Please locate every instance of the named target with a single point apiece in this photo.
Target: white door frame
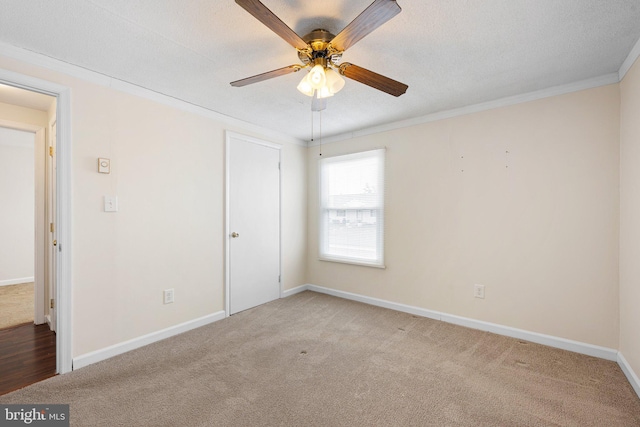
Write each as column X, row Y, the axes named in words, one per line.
column 227, row 230
column 64, row 272
column 40, row 227
column 51, row 189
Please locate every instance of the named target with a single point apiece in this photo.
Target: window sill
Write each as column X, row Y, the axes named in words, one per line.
column 362, row 264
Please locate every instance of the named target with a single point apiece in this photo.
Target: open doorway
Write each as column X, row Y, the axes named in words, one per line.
column 27, row 227
column 17, row 227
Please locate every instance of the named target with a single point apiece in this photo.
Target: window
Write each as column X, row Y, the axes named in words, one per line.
column 352, row 208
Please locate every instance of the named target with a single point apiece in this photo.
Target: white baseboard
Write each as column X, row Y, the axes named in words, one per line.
column 548, row 340
column 294, row 291
column 551, row 341
column 423, row 312
column 16, row 281
column 630, row 374
column 123, row 347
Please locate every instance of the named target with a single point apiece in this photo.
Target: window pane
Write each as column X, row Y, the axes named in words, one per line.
column 353, row 235
column 352, row 181
column 352, row 202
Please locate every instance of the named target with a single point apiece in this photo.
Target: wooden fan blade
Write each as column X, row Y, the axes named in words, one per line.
column 372, row 79
column 275, row 24
column 378, row 12
column 266, row 76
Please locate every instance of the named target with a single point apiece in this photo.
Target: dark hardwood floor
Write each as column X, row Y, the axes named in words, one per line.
column 27, row 355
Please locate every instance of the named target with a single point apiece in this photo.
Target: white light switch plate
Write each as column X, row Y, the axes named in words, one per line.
column 168, row 296
column 111, row 203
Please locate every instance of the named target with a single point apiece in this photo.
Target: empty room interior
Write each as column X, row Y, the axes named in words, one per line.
column 322, row 213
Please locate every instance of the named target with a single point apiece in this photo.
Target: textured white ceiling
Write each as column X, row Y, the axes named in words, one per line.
column 451, row 53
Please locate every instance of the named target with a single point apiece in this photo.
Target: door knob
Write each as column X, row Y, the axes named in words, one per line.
column 234, row 235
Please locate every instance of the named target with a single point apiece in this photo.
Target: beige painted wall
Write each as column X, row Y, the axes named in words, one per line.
column 540, row 234
column 168, row 174
column 13, row 113
column 294, row 216
column 630, row 217
column 522, row 199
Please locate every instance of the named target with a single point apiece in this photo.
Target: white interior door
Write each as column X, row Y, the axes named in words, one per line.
column 253, row 223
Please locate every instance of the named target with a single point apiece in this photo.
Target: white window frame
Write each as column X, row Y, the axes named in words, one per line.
column 324, row 251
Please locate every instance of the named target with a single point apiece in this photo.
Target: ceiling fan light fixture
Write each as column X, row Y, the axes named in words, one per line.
column 331, row 82
column 305, row 86
column 324, row 92
column 335, row 82
column 317, row 77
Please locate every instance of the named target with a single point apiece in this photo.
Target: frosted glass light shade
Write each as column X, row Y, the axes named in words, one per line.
column 324, row 92
column 305, row 86
column 317, row 77
column 335, row 82
column 323, row 82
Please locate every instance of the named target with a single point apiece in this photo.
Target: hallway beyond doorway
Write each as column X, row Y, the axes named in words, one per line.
column 16, row 305
column 27, row 355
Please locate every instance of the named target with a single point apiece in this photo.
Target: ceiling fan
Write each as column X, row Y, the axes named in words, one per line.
column 322, row 52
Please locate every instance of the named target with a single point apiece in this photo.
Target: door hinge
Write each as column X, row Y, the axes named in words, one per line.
column 278, row 165
column 51, row 151
column 52, row 303
column 278, row 279
column 51, row 227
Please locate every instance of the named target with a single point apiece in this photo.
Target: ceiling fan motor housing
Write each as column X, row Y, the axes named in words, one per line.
column 318, row 41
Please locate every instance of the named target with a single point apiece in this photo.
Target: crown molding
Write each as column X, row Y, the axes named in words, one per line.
column 603, row 80
column 53, row 64
column 91, row 76
column 631, row 59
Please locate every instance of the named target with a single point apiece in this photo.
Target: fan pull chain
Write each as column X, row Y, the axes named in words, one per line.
column 311, row 125
column 320, row 132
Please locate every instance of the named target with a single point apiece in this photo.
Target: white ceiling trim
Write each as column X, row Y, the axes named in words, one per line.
column 27, row 82
column 631, row 58
column 604, row 80
column 91, row 76
column 94, row 77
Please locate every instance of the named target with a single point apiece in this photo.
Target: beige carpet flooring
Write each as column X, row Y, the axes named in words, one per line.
column 316, row 360
column 16, row 304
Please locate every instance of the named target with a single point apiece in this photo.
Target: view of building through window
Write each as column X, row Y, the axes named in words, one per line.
column 352, row 203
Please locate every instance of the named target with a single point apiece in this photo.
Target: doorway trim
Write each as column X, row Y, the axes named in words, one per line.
column 64, row 179
column 227, row 230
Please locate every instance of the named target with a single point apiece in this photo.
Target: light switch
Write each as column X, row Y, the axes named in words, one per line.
column 111, row 203
column 104, row 165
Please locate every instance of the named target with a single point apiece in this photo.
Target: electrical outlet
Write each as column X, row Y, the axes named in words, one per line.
column 168, row 296
column 478, row 291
